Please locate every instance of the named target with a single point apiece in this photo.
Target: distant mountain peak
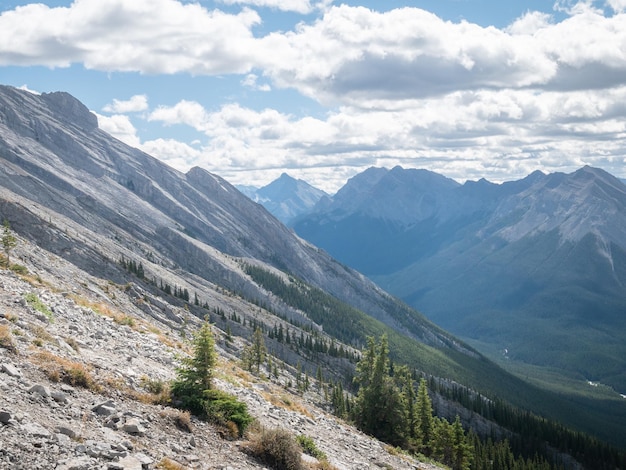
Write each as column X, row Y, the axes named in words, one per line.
column 286, row 197
column 400, row 196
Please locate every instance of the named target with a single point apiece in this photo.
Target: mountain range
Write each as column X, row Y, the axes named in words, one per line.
column 532, row 270
column 204, row 248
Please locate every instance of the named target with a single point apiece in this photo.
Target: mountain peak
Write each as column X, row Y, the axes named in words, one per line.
column 62, row 106
column 71, row 110
column 287, row 197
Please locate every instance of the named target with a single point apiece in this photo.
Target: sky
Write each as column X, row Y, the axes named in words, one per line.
column 322, row 89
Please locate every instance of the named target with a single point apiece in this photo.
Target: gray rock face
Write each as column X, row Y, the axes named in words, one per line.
column 69, row 109
column 133, row 426
column 39, row 390
column 11, row 370
column 5, row 417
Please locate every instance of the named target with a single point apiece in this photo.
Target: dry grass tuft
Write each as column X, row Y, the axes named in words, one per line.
column 168, row 464
column 41, row 333
column 59, row 369
column 180, row 419
column 322, row 465
column 148, row 398
column 6, row 339
column 104, row 309
column 13, row 318
column 73, row 343
column 287, row 402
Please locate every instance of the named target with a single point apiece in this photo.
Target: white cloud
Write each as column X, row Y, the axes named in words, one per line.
column 297, row 6
column 402, row 86
column 530, row 23
column 176, row 154
column 120, row 127
column 349, row 55
column 619, row 6
column 465, row 134
column 25, row 88
column 148, row 36
column 250, row 81
column 355, row 55
column 186, row 112
column 135, row 104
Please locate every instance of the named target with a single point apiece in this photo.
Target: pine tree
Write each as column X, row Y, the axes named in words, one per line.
column 461, row 448
column 298, row 375
column 140, row 271
column 196, row 373
column 8, row 242
column 410, row 403
column 425, row 421
column 254, row 354
column 319, row 377
column 442, row 441
column 379, row 408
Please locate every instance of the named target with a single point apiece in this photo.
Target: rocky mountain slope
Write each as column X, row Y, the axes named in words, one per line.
column 535, row 267
column 73, row 189
column 109, row 420
column 286, row 198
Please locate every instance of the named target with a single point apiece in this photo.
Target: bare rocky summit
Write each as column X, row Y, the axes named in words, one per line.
column 59, row 319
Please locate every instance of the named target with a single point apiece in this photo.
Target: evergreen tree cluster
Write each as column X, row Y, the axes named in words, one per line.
column 339, row 319
column 254, row 355
column 132, row 267
column 531, row 434
column 138, row 270
column 312, row 343
column 389, row 407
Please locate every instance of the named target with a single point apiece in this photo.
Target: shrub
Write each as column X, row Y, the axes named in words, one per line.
column 325, row 465
column 125, row 320
column 154, row 386
column 180, row 419
column 19, row 269
column 308, row 447
column 278, row 449
column 38, row 305
column 41, row 334
column 223, row 408
column 77, row 375
column 72, row 343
